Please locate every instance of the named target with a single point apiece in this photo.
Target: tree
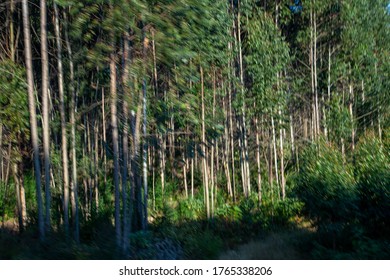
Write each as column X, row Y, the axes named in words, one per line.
column 45, row 111
column 64, row 141
column 33, row 118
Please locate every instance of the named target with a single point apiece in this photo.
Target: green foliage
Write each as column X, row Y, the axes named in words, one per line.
column 338, row 120
column 287, row 210
column 373, row 180
column 326, row 186
column 7, row 201
column 13, row 102
column 190, row 209
column 266, row 55
column 229, row 212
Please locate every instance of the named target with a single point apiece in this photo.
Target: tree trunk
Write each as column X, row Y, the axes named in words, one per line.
column 144, row 154
column 270, row 166
column 259, row 190
column 125, row 147
column 212, row 159
column 226, row 153
column 33, row 117
column 351, row 112
column 104, row 137
column 12, row 42
column 317, row 109
column 243, row 130
column 311, row 60
column 115, row 143
column 232, row 144
column 45, row 111
column 192, row 176
column 162, row 163
column 275, row 153
column 64, row 142
column 329, row 90
column 204, row 151
column 73, row 106
column 282, row 179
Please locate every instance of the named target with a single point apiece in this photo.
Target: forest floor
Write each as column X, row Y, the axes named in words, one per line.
column 291, row 244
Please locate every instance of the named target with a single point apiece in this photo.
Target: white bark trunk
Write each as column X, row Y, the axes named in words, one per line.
column 33, row 117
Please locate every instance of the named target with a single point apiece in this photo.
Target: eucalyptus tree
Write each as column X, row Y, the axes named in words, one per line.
column 64, row 141
column 45, row 109
column 32, row 112
column 266, row 54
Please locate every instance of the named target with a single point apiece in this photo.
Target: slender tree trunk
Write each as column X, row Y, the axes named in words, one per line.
column 275, row 153
column 45, row 111
column 96, row 164
column 282, row 179
column 12, row 32
column 115, row 143
column 185, row 175
column 312, row 71
column 125, row 147
column 351, row 112
column 33, row 117
column 144, row 151
column 73, row 106
column 245, row 161
column 192, row 177
column 204, row 151
column 64, row 142
column 326, row 132
column 212, row 160
column 135, row 163
column 155, row 79
column 317, row 109
column 294, row 153
column 144, row 159
column 226, row 153
column 162, row 162
column 270, row 166
column 104, row 137
column 232, row 144
column 259, row 190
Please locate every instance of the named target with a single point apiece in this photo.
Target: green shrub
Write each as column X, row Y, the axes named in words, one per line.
column 326, row 185
column 372, row 169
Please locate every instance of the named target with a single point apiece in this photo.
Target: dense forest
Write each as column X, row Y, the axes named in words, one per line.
column 194, row 129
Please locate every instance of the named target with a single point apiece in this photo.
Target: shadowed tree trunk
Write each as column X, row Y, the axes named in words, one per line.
column 33, row 117
column 64, row 141
column 45, row 111
column 115, row 143
column 74, row 185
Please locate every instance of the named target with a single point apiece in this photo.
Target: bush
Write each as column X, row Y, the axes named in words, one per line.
column 326, row 186
column 372, row 171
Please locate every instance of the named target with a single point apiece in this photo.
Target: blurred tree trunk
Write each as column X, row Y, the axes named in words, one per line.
column 73, row 107
column 125, row 143
column 204, row 149
column 45, row 111
column 115, row 143
column 144, row 140
column 33, row 117
column 64, row 141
